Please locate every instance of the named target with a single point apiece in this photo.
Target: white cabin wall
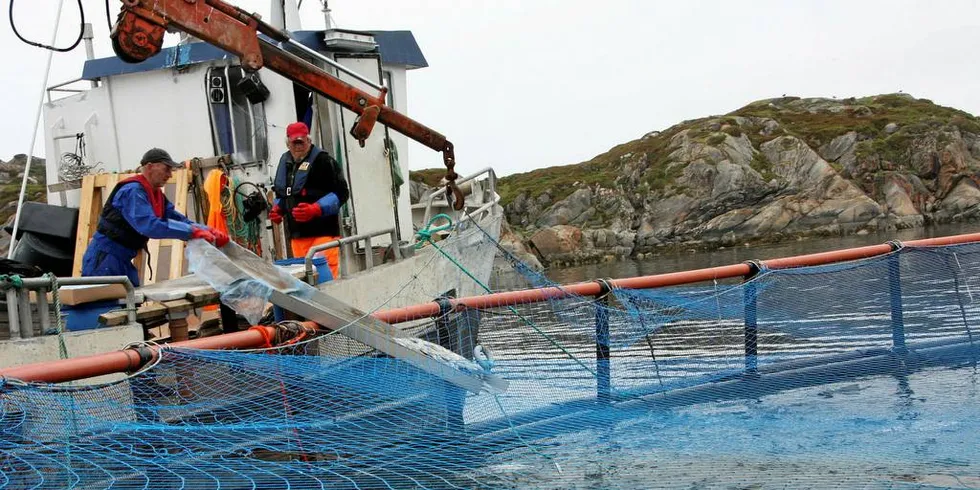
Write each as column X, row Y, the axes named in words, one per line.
column 87, row 112
column 369, row 175
column 280, row 111
column 399, row 90
column 162, row 109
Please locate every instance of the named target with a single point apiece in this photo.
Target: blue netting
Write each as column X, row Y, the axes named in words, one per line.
column 853, row 375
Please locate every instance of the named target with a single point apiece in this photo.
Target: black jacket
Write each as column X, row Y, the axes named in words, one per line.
column 308, row 184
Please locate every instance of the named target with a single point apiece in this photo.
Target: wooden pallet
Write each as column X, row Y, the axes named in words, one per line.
column 167, row 256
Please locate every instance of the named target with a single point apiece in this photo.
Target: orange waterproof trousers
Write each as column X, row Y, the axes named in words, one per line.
column 302, row 245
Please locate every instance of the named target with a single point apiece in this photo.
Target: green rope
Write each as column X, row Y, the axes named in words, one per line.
column 59, row 320
column 11, row 281
column 426, row 234
column 245, row 233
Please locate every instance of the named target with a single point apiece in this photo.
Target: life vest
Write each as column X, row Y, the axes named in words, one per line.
column 292, row 193
column 113, row 224
column 297, row 190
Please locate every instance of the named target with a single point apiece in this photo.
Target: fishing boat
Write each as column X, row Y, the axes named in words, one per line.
column 848, row 368
column 200, row 103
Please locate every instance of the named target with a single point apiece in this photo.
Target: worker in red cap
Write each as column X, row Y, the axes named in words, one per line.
column 310, row 189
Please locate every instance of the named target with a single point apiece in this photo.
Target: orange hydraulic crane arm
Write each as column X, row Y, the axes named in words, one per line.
column 138, row 35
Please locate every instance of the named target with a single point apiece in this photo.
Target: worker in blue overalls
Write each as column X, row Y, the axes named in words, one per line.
column 136, row 211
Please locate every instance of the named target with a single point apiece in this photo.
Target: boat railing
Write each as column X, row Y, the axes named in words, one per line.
column 19, row 300
column 61, row 87
column 483, row 203
column 348, row 246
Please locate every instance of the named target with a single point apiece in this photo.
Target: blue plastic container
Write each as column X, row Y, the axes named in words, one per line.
column 319, row 263
column 86, row 316
column 323, row 275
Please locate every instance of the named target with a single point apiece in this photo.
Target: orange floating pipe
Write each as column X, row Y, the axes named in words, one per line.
column 129, row 359
column 428, row 310
column 125, row 360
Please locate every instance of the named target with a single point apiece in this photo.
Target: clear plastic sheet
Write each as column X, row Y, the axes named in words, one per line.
column 244, row 280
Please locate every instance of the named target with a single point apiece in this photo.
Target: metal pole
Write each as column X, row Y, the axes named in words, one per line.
column 895, row 295
column 89, row 50
column 603, row 385
column 26, row 320
column 13, row 322
column 37, row 121
column 231, row 118
column 333, row 63
column 346, row 252
column 43, row 310
column 396, row 246
column 368, row 254
column 751, row 328
column 750, row 304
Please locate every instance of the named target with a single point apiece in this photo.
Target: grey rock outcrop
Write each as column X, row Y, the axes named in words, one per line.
column 775, row 169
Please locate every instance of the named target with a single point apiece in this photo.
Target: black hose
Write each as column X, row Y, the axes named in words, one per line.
column 81, row 31
column 108, row 18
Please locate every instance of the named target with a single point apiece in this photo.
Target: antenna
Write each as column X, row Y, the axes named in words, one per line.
column 327, row 18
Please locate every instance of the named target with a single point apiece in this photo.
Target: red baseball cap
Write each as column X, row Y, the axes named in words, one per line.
column 297, row 130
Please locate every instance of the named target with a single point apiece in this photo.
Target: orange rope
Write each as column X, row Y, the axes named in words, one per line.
column 266, row 336
column 213, row 185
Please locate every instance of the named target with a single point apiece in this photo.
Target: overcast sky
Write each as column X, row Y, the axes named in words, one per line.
column 524, row 84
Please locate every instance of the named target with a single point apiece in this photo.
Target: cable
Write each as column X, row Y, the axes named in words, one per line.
column 81, row 30
column 244, row 233
column 245, row 182
column 72, row 165
column 108, row 18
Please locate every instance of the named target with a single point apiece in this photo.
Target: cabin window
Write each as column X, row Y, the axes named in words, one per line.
column 238, row 126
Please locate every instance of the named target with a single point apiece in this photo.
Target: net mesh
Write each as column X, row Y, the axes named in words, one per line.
column 861, row 374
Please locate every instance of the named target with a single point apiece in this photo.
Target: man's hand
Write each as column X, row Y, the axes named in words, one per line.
column 275, row 214
column 203, row 232
column 305, row 212
column 220, row 238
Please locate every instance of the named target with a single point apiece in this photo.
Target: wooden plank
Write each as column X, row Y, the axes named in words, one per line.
column 180, row 204
column 147, row 311
column 102, row 180
column 151, row 310
column 197, row 189
column 65, row 186
column 84, row 230
column 277, row 240
column 203, row 297
column 179, row 306
column 140, row 263
column 113, row 318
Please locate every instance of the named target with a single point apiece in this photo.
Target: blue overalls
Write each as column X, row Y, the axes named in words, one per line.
column 107, row 257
